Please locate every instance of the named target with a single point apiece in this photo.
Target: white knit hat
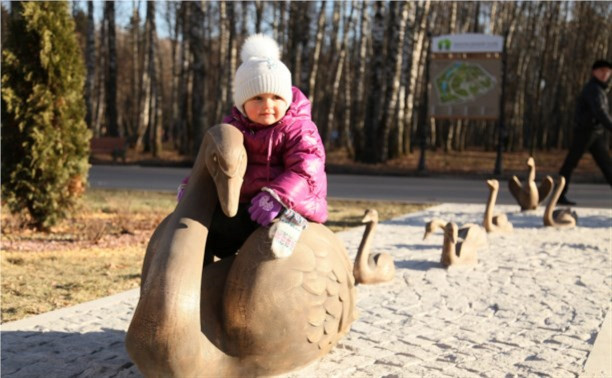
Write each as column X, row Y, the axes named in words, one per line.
column 261, row 71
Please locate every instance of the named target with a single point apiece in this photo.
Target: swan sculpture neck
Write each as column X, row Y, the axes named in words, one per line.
column 563, row 218
column 488, row 215
column 371, row 221
column 532, row 171
column 449, row 247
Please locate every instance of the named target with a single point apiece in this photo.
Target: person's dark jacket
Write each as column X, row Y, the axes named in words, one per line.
column 592, row 114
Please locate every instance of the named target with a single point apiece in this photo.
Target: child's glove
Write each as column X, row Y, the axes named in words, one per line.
column 264, row 208
column 181, row 189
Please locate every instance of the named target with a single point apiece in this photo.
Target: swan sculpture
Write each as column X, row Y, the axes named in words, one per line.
column 561, row 217
column 470, row 237
column 461, row 251
column 498, row 222
column 247, row 315
column 371, row 269
column 468, row 230
column 530, row 195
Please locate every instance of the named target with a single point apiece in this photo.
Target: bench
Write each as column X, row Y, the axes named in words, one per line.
column 115, row 146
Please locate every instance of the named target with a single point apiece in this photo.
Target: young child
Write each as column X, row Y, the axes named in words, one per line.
column 286, row 158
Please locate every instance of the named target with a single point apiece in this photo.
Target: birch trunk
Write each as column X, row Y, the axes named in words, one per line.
column 348, row 21
column 394, row 65
column 418, row 40
column 316, row 54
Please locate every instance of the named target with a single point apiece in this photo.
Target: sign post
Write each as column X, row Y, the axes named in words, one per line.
column 465, row 78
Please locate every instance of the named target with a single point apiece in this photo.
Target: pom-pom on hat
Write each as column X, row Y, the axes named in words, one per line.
column 261, row 71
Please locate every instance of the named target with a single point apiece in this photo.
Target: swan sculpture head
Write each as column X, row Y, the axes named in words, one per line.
column 370, row 216
column 432, row 226
column 226, row 161
column 493, row 184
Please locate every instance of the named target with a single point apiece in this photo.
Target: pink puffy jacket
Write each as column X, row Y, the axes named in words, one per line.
column 287, row 158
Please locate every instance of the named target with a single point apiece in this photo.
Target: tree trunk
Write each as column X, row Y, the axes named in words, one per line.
column 312, row 80
column 155, row 121
column 112, row 128
column 399, row 10
column 375, row 95
column 232, row 53
column 359, row 103
column 348, row 21
column 418, row 41
column 142, row 136
column 90, row 61
column 222, row 63
column 259, row 8
column 198, row 70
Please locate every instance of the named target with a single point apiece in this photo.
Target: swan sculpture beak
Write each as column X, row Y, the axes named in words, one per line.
column 228, row 190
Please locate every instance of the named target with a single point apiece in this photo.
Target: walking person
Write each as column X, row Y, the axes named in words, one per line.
column 592, row 121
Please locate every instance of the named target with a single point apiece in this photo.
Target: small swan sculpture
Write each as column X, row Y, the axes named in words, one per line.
column 562, row 217
column 372, row 269
column 460, row 251
column 498, row 222
column 529, row 194
column 250, row 314
column 470, row 231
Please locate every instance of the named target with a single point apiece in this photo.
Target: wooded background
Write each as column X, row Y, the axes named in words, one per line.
column 362, row 64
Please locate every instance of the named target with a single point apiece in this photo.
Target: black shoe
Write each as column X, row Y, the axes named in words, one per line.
column 564, row 201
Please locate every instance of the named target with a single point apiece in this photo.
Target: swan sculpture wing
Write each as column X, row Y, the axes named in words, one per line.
column 290, row 310
column 474, row 235
column 546, row 186
column 516, row 188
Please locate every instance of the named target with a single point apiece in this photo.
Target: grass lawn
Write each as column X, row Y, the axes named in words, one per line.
column 99, row 250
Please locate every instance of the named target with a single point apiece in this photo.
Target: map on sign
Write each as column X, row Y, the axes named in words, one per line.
column 463, row 81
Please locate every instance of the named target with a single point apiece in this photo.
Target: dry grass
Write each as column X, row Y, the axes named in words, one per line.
column 99, row 251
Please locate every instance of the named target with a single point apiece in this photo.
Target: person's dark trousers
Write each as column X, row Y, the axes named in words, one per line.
column 226, row 235
column 597, row 145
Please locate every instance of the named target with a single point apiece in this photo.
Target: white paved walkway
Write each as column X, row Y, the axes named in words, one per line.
column 532, row 307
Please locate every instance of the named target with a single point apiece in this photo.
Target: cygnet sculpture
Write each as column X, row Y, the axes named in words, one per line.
column 561, row 217
column 529, row 194
column 461, row 251
column 371, row 269
column 498, row 222
column 474, row 230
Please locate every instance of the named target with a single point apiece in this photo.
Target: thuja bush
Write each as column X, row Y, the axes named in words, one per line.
column 45, row 141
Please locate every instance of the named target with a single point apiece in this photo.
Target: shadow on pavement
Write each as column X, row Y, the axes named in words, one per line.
column 65, row 354
column 421, row 265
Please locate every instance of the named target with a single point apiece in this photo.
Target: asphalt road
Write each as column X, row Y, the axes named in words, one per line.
column 406, row 189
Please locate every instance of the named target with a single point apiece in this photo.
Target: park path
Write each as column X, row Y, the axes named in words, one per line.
column 533, row 306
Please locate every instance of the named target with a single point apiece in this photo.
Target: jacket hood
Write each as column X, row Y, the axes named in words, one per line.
column 300, row 107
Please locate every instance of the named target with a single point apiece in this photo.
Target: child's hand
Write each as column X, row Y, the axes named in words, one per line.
column 264, row 208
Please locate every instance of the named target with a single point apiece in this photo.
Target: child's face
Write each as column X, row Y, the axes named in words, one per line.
column 265, row 108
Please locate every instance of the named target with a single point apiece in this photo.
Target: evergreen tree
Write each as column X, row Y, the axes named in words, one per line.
column 45, row 141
